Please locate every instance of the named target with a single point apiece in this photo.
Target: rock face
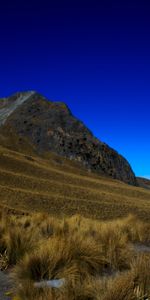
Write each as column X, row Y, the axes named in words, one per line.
column 144, row 182
column 50, row 126
column 8, row 105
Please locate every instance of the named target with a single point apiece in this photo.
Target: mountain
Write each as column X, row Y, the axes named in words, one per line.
column 143, row 182
column 48, row 127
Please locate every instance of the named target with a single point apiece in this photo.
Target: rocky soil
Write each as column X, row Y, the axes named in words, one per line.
column 5, row 286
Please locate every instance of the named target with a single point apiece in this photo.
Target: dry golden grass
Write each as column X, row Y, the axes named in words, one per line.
column 43, row 235
column 61, row 187
column 97, row 259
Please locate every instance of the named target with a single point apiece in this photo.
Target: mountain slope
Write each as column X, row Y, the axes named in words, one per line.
column 143, row 182
column 62, row 187
column 50, row 127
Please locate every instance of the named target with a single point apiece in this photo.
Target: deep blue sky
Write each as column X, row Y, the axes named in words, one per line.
column 93, row 55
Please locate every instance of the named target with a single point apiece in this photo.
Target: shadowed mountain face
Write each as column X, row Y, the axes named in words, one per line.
column 50, row 126
column 143, row 182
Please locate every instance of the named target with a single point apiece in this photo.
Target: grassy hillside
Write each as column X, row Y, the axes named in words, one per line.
column 97, row 260
column 62, row 187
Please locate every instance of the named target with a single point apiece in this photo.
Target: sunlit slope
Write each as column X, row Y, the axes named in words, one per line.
column 59, row 186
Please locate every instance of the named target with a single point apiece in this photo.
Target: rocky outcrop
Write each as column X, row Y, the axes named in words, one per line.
column 50, row 126
column 9, row 105
column 143, row 182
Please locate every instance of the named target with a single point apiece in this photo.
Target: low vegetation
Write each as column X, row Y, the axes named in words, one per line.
column 98, row 260
column 62, row 187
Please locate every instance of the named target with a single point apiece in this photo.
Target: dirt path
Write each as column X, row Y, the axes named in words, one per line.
column 5, row 286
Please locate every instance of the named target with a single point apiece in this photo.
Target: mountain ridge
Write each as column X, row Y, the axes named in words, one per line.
column 51, row 126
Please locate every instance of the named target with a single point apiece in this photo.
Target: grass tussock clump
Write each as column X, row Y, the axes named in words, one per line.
column 136, row 230
column 134, row 284
column 97, row 260
column 71, row 258
column 18, row 244
column 116, row 248
column 16, row 239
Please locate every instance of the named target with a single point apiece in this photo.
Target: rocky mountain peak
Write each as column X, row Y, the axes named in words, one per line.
column 50, row 126
column 9, row 105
